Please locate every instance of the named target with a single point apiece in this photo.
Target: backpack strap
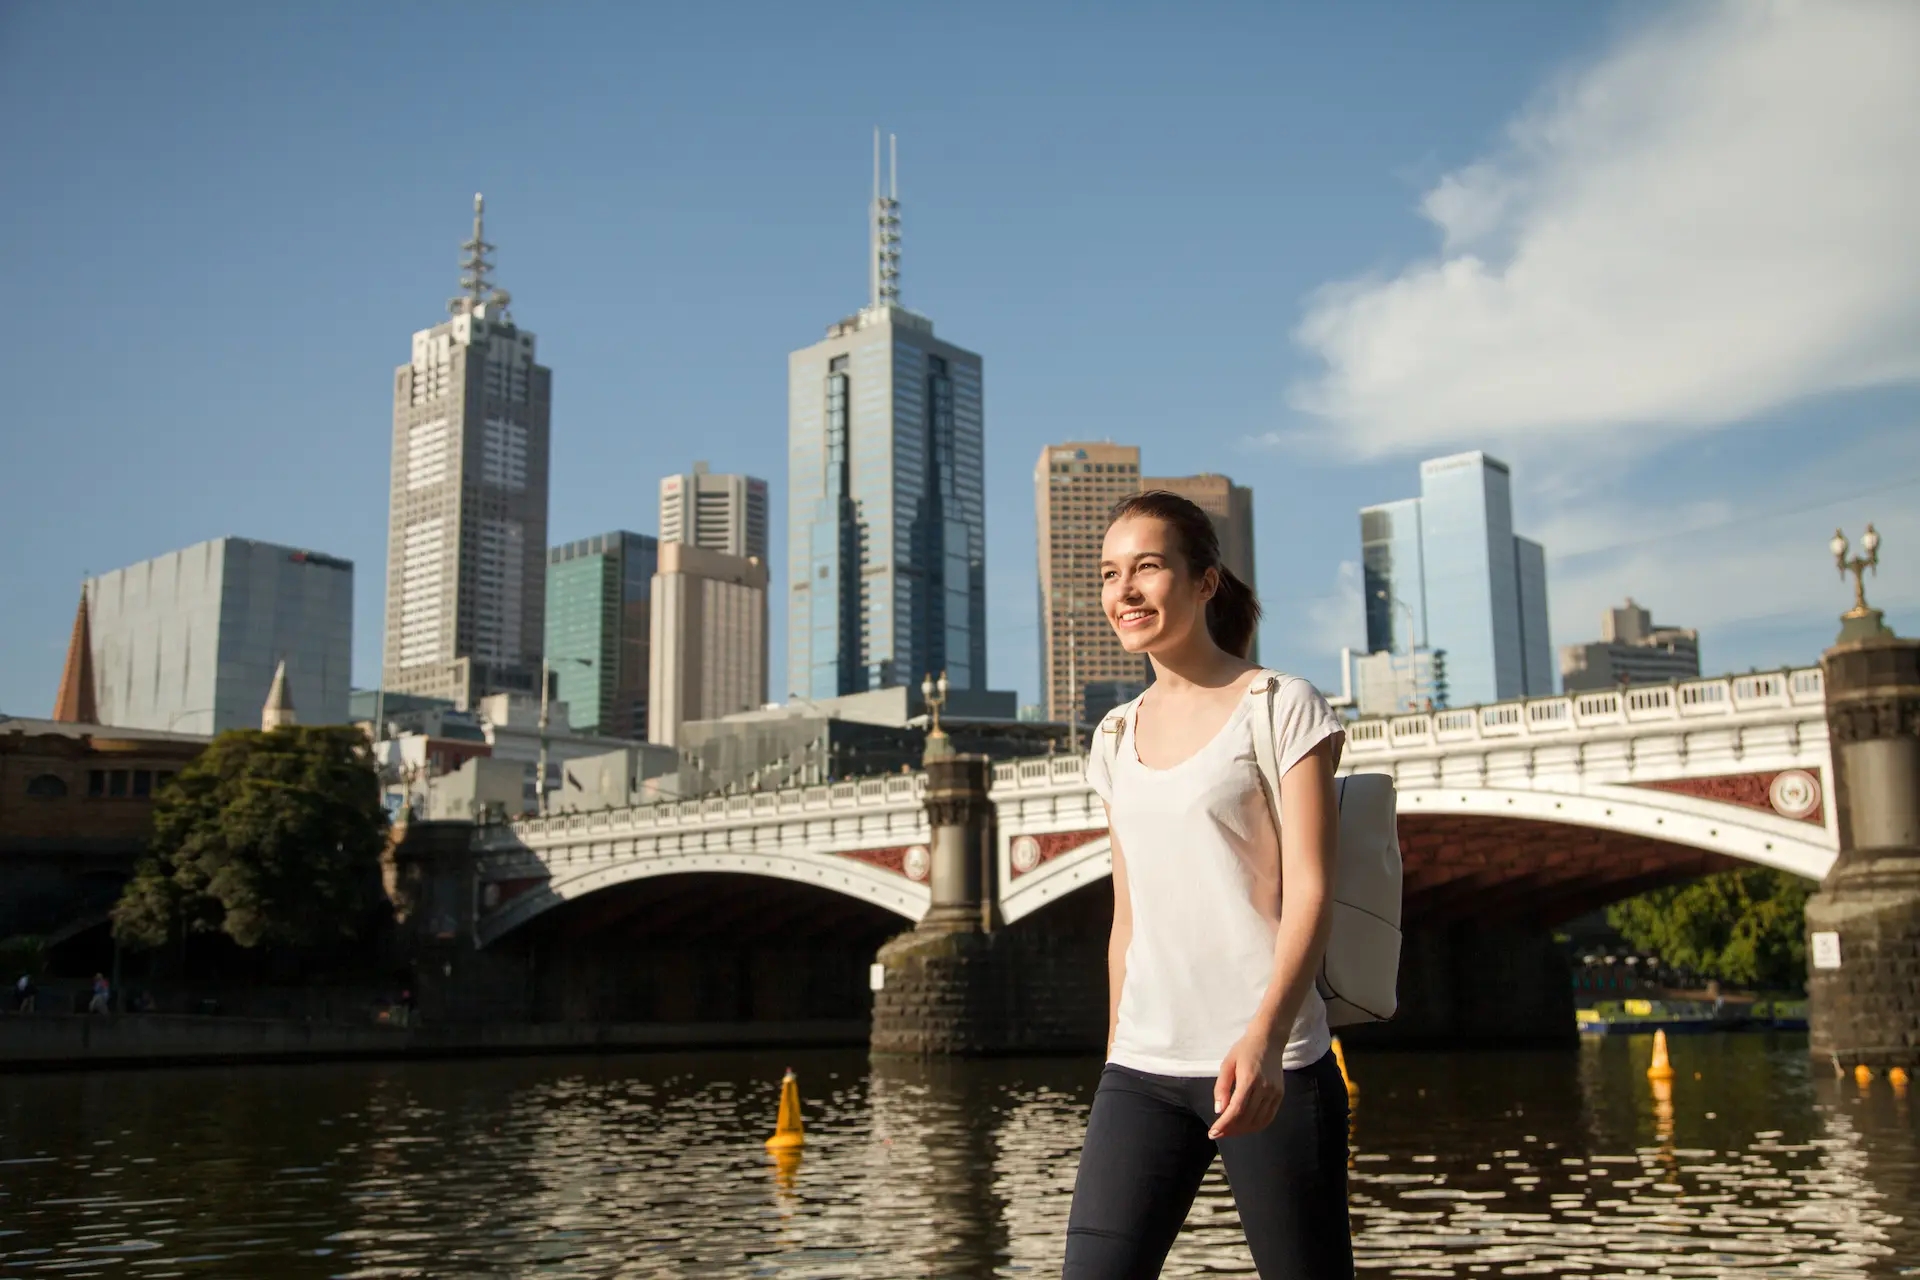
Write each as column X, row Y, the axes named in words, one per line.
column 1107, row 738
column 1265, row 750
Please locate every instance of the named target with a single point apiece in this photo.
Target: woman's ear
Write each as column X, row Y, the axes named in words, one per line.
column 1209, row 584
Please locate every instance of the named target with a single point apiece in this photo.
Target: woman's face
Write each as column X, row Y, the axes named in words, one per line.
column 1149, row 594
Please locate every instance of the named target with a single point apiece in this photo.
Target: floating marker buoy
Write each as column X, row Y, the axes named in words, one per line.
column 1863, row 1075
column 1340, row 1056
column 788, row 1132
column 1897, row 1077
column 1661, row 1069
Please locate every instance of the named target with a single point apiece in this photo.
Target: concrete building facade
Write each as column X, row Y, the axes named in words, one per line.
column 1631, row 650
column 724, row 513
column 1230, row 507
column 1445, row 573
column 1074, row 485
column 188, row 642
column 886, row 518
column 709, row 638
column 467, row 524
column 599, row 624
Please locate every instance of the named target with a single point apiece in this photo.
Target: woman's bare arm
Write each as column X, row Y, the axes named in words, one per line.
column 1121, row 935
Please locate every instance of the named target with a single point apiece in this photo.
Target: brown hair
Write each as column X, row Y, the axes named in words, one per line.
column 1233, row 612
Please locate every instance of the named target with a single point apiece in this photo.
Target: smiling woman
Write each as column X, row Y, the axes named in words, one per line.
column 1217, row 1039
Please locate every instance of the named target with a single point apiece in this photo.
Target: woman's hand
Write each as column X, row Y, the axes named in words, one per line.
column 1247, row 1094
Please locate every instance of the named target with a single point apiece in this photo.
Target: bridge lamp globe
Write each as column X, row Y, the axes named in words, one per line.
column 1839, row 548
column 1870, row 543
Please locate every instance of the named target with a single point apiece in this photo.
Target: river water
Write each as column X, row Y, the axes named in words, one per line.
column 1541, row 1164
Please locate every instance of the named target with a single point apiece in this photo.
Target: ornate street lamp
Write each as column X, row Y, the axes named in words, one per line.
column 1860, row 622
column 935, row 693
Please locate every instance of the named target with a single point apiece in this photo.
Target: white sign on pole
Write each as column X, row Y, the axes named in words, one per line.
column 1826, row 951
column 877, row 977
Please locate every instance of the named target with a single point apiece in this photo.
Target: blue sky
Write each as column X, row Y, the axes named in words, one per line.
column 1660, row 260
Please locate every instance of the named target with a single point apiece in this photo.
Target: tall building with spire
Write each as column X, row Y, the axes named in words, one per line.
column 467, row 523
column 886, row 551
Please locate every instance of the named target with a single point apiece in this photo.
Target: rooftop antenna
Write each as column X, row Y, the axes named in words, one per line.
column 885, row 267
column 476, row 288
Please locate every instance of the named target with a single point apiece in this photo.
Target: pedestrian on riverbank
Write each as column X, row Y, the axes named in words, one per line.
column 102, row 995
column 1217, row 1039
column 25, row 995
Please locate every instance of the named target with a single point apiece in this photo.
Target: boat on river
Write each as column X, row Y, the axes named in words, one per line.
column 1645, row 1016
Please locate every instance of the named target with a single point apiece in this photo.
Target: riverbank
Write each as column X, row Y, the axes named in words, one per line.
column 62, row 1042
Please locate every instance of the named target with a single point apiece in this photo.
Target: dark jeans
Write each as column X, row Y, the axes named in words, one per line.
column 1147, row 1149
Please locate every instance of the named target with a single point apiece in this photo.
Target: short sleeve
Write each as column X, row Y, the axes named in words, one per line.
column 1302, row 720
column 1100, row 764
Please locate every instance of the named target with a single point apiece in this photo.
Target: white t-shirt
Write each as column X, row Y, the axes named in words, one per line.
column 1203, row 871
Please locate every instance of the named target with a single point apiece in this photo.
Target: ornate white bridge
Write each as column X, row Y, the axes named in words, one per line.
column 1543, row 805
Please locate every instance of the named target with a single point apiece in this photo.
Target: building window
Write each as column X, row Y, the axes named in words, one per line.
column 142, row 783
column 117, row 783
column 47, row 786
column 96, row 782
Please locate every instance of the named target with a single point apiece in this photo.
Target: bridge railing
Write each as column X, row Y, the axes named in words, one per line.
column 1039, row 773
column 1542, row 717
column 858, row 793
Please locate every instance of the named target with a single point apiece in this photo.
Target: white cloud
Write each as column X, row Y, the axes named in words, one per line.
column 1716, row 218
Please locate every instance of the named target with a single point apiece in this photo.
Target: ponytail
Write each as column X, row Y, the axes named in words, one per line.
column 1233, row 612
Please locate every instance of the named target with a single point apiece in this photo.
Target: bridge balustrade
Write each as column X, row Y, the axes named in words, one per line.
column 1527, row 717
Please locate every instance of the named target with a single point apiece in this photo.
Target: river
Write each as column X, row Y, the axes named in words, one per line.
column 1541, row 1164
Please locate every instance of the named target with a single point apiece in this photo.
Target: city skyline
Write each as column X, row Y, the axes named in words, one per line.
column 640, row 302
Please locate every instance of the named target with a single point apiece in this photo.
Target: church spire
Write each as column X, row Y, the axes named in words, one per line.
column 278, row 712
column 76, row 703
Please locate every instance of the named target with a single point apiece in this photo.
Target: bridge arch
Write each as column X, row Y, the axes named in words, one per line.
column 1481, row 849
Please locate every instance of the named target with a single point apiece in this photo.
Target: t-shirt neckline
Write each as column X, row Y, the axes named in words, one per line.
column 1132, row 735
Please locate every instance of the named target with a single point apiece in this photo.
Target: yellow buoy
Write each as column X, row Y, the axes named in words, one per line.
column 1863, row 1075
column 1661, row 1068
column 1897, row 1077
column 1340, row 1056
column 788, row 1132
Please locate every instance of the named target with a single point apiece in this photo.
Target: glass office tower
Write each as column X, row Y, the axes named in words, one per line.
column 599, row 598
column 1445, row 571
column 886, row 548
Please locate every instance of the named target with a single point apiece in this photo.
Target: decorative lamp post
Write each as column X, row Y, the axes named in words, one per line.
column 1861, row 622
column 935, row 693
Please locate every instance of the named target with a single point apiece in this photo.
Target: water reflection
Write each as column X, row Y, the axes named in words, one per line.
column 1520, row 1164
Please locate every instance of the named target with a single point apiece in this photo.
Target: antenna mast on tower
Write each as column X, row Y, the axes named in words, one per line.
column 476, row 289
column 885, row 232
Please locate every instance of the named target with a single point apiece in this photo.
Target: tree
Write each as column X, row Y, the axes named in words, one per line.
column 269, row 837
column 1745, row 927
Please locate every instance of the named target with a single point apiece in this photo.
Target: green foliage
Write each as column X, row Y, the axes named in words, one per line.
column 1745, row 927
column 268, row 837
column 22, row 953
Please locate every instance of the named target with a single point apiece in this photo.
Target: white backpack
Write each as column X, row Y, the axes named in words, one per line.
column 1359, row 976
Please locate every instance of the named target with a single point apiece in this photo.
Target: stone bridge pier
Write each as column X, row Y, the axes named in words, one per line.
column 962, row 982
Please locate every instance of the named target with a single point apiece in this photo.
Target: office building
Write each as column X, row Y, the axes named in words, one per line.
column 1444, row 573
column 599, row 618
column 1631, row 650
column 886, row 541
column 1230, row 507
column 1074, row 486
column 724, row 513
column 709, row 638
column 189, row 642
column 1390, row 682
column 467, row 524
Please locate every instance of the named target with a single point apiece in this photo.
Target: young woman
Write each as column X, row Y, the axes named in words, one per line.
column 1217, row 1039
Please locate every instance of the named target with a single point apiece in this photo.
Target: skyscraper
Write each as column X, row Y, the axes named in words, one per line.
column 709, row 649
column 1448, row 565
column 886, row 541
column 1631, row 650
column 724, row 513
column 1230, row 507
column 1074, row 485
column 189, row 641
column 467, row 526
column 599, row 593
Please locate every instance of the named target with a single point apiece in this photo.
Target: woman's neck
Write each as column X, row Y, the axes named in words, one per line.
column 1196, row 663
